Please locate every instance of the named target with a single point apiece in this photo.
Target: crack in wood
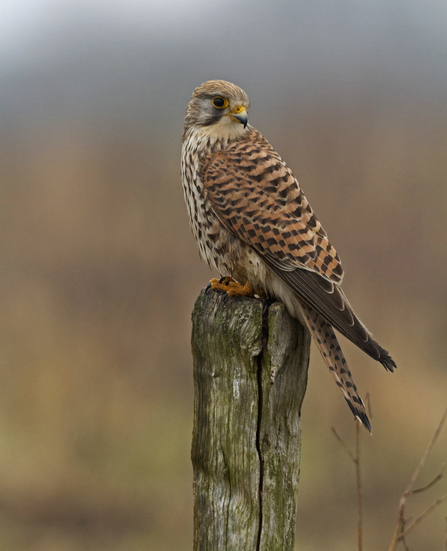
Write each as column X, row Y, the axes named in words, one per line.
column 249, row 382
column 259, row 359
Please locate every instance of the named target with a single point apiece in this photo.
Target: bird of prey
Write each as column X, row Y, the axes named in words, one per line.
column 253, row 223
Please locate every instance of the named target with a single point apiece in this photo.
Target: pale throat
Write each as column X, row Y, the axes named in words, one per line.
column 226, row 128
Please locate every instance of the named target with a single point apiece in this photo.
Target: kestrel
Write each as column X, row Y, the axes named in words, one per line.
column 252, row 222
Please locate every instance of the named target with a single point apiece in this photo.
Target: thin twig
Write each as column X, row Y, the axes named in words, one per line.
column 356, row 461
column 432, row 483
column 359, row 484
column 426, row 454
column 404, row 543
column 399, row 532
column 422, row 515
column 348, row 451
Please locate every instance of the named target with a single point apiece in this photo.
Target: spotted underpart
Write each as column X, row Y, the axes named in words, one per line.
column 252, row 221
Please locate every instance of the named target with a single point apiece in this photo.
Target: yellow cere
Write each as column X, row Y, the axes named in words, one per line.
column 239, row 109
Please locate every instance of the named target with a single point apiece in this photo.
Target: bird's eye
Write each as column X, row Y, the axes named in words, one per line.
column 219, row 102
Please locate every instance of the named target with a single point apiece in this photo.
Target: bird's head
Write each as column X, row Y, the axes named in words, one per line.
column 218, row 108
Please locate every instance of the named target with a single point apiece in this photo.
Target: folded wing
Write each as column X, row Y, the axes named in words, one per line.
column 257, row 198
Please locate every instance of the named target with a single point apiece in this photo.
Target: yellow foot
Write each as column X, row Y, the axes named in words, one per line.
column 232, row 288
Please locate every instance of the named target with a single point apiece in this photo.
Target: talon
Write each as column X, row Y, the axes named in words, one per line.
column 222, row 284
column 226, row 280
column 237, row 290
column 216, row 285
column 231, row 287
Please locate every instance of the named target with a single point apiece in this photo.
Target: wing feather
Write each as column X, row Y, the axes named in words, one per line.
column 257, row 198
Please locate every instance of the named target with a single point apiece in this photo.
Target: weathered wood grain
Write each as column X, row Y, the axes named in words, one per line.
column 250, row 373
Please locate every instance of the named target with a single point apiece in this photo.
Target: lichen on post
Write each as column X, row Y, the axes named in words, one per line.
column 250, row 373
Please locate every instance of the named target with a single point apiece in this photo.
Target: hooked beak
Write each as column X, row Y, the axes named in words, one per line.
column 240, row 114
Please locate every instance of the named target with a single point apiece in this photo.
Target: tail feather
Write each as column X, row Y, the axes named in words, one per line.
column 327, row 343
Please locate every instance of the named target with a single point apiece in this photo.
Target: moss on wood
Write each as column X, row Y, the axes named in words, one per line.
column 250, row 373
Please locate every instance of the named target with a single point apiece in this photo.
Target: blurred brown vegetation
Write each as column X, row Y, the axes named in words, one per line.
column 98, row 278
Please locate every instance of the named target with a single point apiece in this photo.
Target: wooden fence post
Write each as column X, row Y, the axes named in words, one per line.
column 250, row 374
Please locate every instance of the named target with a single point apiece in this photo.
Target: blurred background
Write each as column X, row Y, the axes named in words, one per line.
column 99, row 271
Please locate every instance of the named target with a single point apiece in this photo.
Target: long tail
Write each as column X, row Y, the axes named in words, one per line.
column 327, row 343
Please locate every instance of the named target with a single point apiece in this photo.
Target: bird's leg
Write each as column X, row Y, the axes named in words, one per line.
column 237, row 290
column 232, row 287
column 221, row 284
